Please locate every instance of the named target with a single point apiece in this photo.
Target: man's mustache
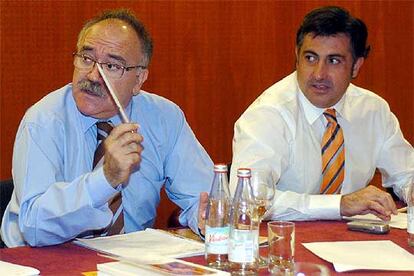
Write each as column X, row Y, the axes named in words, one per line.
column 91, row 87
column 327, row 83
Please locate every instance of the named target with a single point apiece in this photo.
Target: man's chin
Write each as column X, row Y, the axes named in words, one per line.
column 90, row 108
column 321, row 100
column 86, row 111
column 320, row 91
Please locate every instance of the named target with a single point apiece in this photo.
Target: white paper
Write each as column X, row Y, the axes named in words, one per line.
column 147, row 245
column 373, row 255
column 397, row 221
column 18, row 270
column 131, row 269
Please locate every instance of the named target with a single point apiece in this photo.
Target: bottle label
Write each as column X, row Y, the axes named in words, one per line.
column 216, row 239
column 410, row 220
column 243, row 246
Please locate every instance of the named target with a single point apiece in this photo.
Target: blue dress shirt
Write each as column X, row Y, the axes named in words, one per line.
column 58, row 197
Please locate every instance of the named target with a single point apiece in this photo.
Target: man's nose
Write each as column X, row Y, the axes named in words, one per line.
column 94, row 74
column 320, row 70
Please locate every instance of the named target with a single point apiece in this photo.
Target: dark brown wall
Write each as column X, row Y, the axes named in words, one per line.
column 211, row 57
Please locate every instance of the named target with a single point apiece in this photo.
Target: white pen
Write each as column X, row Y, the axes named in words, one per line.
column 402, row 210
column 113, row 94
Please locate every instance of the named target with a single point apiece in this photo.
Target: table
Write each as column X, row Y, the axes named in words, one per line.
column 70, row 259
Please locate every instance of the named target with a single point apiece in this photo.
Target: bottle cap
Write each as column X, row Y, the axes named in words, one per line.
column 220, row 167
column 243, row 172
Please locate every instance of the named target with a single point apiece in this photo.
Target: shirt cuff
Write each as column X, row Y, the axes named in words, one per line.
column 99, row 189
column 325, row 206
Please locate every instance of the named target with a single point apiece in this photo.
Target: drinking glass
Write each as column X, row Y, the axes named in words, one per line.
column 263, row 192
column 281, row 238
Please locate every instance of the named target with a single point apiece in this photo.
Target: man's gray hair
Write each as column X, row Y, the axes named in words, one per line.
column 128, row 17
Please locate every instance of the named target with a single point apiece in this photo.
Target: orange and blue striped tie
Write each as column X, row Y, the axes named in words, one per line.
column 333, row 155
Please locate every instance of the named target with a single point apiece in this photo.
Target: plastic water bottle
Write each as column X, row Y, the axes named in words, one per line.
column 244, row 229
column 217, row 220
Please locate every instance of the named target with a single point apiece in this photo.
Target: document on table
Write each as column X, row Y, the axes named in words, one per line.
column 397, row 221
column 356, row 255
column 171, row 267
column 147, row 245
column 14, row 269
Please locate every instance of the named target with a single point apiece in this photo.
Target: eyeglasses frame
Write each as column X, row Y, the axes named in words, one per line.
column 124, row 68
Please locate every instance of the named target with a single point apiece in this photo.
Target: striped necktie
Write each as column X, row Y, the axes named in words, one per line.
column 333, row 155
column 103, row 130
column 115, row 203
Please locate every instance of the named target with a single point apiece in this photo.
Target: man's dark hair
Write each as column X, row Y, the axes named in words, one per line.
column 328, row 21
column 128, row 17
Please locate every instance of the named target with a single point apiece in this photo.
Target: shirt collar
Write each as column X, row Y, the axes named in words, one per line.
column 312, row 113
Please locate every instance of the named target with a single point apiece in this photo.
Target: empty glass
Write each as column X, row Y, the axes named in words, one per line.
column 281, row 238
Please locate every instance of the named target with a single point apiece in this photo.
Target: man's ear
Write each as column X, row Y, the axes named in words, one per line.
column 297, row 50
column 357, row 66
column 142, row 76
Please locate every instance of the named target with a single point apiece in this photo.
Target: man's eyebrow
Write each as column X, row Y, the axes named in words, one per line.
column 336, row 56
column 85, row 48
column 329, row 56
column 118, row 58
column 310, row 52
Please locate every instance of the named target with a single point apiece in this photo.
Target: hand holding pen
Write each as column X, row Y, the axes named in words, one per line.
column 123, row 146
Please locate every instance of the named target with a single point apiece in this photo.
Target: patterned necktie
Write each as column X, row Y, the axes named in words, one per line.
column 103, row 130
column 115, row 203
column 333, row 155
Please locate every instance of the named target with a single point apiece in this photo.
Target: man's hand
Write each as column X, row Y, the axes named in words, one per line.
column 122, row 153
column 368, row 200
column 202, row 208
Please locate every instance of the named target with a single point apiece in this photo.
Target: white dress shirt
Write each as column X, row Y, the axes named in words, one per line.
column 282, row 131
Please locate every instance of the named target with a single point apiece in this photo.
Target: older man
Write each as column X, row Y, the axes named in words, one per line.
column 80, row 170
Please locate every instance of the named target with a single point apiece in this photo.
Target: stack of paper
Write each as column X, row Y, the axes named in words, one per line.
column 14, row 269
column 355, row 255
column 149, row 244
